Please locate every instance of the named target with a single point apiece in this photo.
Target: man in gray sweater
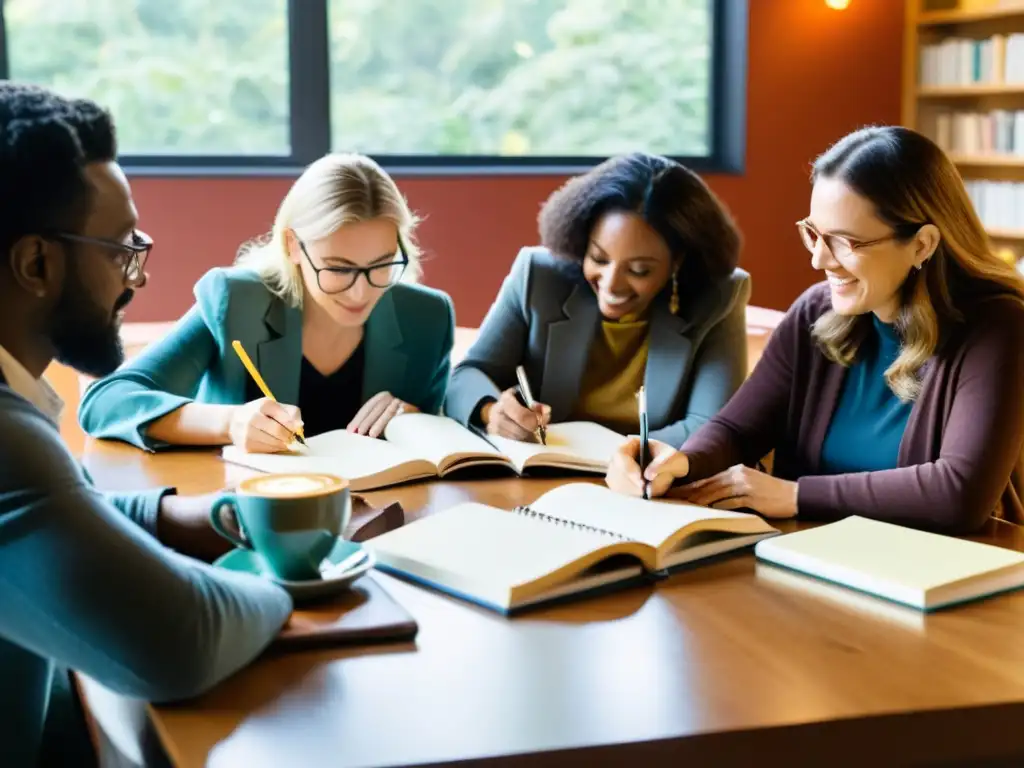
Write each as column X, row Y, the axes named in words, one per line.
column 90, row 582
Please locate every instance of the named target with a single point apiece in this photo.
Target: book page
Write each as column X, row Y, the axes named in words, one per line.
column 483, row 551
column 436, row 438
column 651, row 522
column 582, row 443
column 364, row 461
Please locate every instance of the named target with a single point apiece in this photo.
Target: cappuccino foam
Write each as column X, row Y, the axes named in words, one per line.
column 291, row 485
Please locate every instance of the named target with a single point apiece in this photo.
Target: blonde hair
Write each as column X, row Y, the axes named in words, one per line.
column 911, row 182
column 337, row 189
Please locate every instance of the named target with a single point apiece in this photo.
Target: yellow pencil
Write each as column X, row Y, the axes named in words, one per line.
column 247, row 362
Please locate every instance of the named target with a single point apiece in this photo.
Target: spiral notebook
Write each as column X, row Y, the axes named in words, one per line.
column 577, row 538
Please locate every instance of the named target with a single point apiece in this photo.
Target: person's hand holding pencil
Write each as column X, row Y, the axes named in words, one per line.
column 264, row 425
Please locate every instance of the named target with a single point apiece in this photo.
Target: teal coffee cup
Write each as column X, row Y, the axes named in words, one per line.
column 291, row 520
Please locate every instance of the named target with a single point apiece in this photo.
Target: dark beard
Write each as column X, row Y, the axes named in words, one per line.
column 84, row 335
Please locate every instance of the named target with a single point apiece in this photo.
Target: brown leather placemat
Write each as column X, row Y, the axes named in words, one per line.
column 364, row 613
column 367, row 524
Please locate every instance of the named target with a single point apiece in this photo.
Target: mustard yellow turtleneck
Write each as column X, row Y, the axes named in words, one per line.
column 615, row 370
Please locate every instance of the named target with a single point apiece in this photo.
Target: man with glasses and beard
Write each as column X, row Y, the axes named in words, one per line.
column 90, row 582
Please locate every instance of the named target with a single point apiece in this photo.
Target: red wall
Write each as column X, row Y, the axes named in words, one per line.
column 814, row 75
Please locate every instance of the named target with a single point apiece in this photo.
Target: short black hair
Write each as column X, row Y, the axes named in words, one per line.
column 674, row 200
column 46, row 140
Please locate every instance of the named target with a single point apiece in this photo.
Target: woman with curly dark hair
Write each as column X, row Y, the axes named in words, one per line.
column 635, row 284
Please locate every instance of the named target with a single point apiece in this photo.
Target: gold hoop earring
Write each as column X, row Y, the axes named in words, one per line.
column 673, row 302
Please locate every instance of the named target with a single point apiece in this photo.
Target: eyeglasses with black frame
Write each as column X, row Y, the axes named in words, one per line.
column 131, row 257
column 340, row 279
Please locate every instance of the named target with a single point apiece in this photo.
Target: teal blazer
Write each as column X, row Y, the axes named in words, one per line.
column 408, row 342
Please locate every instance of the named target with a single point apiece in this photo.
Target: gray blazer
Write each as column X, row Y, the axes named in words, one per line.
column 544, row 319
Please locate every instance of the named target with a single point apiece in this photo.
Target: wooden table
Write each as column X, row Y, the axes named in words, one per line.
column 731, row 663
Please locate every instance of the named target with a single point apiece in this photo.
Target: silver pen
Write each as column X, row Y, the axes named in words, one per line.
column 524, row 390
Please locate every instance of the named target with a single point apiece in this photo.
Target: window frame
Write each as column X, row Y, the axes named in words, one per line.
column 310, row 113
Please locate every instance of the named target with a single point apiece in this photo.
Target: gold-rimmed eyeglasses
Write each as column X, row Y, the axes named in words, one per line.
column 840, row 245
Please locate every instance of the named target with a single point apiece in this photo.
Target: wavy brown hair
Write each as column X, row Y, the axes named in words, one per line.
column 911, row 182
column 672, row 199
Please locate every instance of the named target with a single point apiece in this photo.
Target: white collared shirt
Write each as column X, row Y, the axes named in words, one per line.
column 36, row 391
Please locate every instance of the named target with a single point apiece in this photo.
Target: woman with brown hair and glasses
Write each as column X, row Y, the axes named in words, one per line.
column 891, row 390
column 325, row 309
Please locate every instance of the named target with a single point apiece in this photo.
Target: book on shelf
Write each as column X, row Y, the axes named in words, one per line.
column 577, row 538
column 965, row 61
column 996, row 133
column 418, row 446
column 916, row 568
column 999, row 203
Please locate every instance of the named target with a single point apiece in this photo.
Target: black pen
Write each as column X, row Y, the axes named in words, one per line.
column 641, row 397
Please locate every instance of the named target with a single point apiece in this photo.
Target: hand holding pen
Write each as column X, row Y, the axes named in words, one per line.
column 264, row 425
column 509, row 416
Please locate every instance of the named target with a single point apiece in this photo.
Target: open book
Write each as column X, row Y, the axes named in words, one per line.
column 916, row 568
column 576, row 538
column 420, row 445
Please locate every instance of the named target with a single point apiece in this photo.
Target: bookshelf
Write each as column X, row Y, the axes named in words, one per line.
column 963, row 85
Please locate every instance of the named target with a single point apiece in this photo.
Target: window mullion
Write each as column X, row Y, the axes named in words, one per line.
column 5, row 67
column 309, row 82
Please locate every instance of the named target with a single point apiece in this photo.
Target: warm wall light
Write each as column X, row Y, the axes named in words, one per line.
column 838, row 5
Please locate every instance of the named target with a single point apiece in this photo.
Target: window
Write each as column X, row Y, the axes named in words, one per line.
column 560, row 78
column 188, row 77
column 434, row 84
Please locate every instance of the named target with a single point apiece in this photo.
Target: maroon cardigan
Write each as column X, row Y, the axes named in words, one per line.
column 960, row 457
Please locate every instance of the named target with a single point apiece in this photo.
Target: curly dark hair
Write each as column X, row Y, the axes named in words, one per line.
column 45, row 142
column 671, row 198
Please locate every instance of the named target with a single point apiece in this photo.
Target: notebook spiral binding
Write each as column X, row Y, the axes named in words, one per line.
column 529, row 511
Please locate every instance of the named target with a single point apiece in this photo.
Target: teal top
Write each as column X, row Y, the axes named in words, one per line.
column 868, row 422
column 407, row 342
column 86, row 585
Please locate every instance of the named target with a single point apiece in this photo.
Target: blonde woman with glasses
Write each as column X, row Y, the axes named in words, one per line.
column 326, row 309
column 892, row 389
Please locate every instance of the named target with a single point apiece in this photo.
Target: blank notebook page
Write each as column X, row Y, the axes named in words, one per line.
column 648, row 521
column 435, row 437
column 338, row 452
column 578, row 438
column 884, row 552
column 486, row 545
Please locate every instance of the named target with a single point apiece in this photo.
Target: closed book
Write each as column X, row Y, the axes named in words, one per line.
column 916, row 568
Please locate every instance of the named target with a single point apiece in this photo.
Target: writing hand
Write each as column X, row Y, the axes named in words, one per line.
column 666, row 466
column 507, row 417
column 264, row 426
